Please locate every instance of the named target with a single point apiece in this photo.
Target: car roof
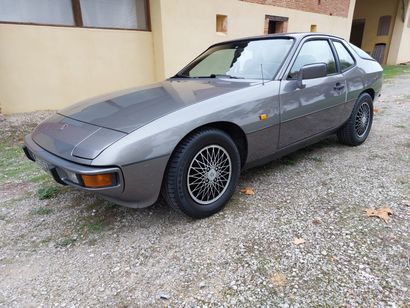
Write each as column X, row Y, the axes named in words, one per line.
column 294, row 35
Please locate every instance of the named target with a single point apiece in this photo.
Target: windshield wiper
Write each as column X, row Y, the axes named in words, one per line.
column 224, row 76
column 180, row 76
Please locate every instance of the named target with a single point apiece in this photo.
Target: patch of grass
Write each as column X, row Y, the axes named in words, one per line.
column 96, row 226
column 288, row 161
column 317, row 159
column 14, row 165
column 66, row 242
column 40, row 178
column 391, row 71
column 47, row 192
column 400, row 126
column 46, row 240
column 43, row 210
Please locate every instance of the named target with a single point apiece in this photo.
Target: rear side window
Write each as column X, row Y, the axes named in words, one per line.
column 362, row 54
column 317, row 51
column 346, row 60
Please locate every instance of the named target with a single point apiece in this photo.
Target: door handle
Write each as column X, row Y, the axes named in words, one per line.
column 339, row 86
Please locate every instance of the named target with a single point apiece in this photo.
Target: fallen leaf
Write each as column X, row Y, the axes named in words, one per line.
column 298, row 240
column 317, row 221
column 279, row 280
column 248, row 191
column 376, row 110
column 382, row 213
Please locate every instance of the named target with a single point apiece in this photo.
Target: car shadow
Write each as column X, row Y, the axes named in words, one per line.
column 311, row 152
column 96, row 215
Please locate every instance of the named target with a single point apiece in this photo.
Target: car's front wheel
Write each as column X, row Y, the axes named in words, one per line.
column 202, row 173
column 356, row 130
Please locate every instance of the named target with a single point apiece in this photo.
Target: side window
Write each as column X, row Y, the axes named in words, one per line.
column 346, row 60
column 317, row 51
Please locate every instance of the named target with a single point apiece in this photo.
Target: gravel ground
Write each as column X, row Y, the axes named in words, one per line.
column 63, row 247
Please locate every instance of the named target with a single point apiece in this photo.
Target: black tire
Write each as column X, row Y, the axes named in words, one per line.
column 356, row 130
column 180, row 194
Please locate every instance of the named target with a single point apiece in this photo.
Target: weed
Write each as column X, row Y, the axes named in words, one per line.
column 47, row 192
column 288, row 161
column 66, row 242
column 400, row 126
column 390, row 71
column 13, row 165
column 317, row 159
column 96, row 226
column 43, row 210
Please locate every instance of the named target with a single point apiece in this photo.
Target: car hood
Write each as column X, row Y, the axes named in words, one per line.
column 129, row 110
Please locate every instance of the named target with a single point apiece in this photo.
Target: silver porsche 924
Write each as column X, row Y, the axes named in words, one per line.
column 239, row 104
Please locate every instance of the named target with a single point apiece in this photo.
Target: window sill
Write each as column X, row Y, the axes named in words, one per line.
column 69, row 26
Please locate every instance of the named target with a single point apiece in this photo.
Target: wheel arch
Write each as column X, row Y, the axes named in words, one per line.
column 369, row 91
column 232, row 129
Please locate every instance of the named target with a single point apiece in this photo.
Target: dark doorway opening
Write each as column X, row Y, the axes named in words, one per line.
column 378, row 52
column 276, row 24
column 356, row 35
column 275, row 27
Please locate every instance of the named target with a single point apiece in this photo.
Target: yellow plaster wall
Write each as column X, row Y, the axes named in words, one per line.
column 371, row 11
column 45, row 67
column 400, row 46
column 188, row 27
column 52, row 67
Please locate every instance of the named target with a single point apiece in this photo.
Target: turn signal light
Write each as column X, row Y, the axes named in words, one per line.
column 263, row 117
column 98, row 180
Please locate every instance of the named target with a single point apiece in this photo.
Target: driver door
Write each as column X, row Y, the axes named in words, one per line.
column 314, row 108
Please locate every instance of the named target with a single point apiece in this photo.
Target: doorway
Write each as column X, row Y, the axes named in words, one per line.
column 378, row 52
column 275, row 24
column 356, row 35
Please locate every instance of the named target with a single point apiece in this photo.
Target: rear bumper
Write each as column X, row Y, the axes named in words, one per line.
column 137, row 185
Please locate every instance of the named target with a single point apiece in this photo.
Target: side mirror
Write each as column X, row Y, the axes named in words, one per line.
column 311, row 71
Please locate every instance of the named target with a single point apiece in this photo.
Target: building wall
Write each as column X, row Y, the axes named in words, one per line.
column 44, row 67
column 371, row 11
column 52, row 67
column 187, row 30
column 400, row 52
column 328, row 7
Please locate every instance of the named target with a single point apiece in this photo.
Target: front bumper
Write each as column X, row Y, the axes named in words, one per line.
column 139, row 192
column 62, row 170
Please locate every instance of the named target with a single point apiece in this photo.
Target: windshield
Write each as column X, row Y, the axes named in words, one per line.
column 245, row 60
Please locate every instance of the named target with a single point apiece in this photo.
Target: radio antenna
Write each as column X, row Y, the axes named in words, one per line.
column 263, row 80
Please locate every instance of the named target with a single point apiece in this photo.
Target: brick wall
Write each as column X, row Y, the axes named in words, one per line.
column 328, row 7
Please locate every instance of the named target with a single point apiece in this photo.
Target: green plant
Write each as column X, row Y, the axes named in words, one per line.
column 390, row 71
column 96, row 226
column 47, row 192
column 317, row 159
column 66, row 242
column 43, row 210
column 288, row 161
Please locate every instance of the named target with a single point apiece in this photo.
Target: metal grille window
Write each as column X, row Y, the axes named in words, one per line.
column 112, row 14
column 384, row 25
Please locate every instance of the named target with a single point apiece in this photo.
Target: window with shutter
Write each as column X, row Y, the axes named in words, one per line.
column 384, row 25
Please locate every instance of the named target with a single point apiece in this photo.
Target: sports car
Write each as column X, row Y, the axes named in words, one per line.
column 185, row 140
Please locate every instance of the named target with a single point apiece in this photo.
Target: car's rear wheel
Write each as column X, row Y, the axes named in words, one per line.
column 356, row 130
column 202, row 173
